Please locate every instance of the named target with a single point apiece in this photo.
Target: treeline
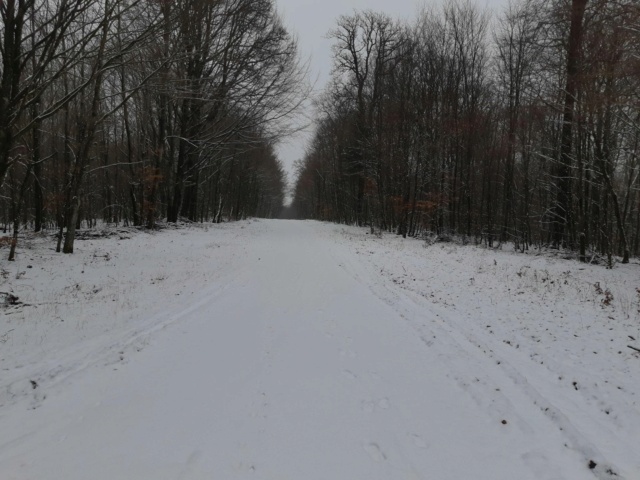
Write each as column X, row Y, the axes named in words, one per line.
column 522, row 128
column 131, row 111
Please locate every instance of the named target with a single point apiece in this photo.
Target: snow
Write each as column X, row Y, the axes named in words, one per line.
column 289, row 349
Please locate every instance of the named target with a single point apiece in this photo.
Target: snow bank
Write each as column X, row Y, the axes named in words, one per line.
column 280, row 349
column 107, row 298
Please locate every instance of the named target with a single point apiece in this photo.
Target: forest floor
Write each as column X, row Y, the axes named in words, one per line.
column 303, row 350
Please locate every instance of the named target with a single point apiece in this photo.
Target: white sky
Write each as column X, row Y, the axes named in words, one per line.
column 310, row 20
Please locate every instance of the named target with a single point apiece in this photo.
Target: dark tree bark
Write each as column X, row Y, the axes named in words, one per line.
column 562, row 212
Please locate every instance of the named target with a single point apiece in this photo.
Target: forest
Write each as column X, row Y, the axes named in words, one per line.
column 444, row 284
column 134, row 111
column 519, row 127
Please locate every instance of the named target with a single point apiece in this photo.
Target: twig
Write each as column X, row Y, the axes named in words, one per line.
column 634, row 348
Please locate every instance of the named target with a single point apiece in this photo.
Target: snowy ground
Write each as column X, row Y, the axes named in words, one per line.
column 301, row 350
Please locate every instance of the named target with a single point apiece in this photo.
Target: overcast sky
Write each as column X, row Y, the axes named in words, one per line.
column 310, row 20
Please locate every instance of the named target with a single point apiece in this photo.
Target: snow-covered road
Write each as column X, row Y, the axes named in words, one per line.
column 296, row 363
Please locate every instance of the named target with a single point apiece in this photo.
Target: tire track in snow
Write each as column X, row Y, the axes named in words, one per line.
column 75, row 361
column 465, row 343
column 509, row 390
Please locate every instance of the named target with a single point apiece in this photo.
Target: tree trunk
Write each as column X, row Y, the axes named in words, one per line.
column 562, row 211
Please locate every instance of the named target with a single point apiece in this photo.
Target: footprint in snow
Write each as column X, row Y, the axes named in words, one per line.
column 190, row 464
column 348, row 353
column 374, row 451
column 244, row 467
column 349, row 374
column 370, row 406
column 418, row 441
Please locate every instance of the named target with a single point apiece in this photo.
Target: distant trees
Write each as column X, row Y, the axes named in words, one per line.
column 138, row 110
column 529, row 134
